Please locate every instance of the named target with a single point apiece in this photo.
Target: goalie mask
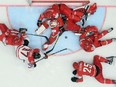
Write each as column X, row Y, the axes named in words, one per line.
column 53, row 23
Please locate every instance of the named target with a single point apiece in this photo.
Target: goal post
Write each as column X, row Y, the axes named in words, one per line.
column 48, row 2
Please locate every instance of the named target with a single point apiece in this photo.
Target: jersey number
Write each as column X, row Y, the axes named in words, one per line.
column 87, row 68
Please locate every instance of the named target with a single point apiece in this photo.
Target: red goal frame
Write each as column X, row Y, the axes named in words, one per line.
column 45, row 2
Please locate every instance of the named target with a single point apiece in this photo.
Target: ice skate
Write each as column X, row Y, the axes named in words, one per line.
column 114, row 81
column 74, row 72
column 74, row 79
column 113, row 39
column 110, row 59
column 109, row 30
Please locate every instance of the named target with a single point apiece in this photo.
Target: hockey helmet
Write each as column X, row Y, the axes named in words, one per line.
column 53, row 23
column 36, row 54
column 75, row 65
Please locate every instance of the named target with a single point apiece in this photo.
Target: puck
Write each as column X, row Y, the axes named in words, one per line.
column 66, row 37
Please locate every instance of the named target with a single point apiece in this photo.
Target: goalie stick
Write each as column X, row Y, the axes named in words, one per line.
column 40, row 36
column 111, row 57
column 51, row 54
column 56, row 40
column 54, row 53
column 53, row 46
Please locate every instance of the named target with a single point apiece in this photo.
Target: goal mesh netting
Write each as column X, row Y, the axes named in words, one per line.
column 49, row 2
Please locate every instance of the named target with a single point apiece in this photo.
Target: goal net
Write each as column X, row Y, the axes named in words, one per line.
column 50, row 2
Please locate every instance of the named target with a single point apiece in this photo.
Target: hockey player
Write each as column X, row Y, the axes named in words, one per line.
column 94, row 70
column 89, row 40
column 70, row 16
column 56, row 22
column 29, row 55
column 55, row 25
column 11, row 36
column 74, row 16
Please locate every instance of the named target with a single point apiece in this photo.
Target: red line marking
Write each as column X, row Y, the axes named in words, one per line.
column 109, row 6
column 33, row 5
column 104, row 18
column 8, row 17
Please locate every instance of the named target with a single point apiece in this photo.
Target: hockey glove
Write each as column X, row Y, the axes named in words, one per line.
column 39, row 23
column 26, row 42
column 22, row 30
column 64, row 18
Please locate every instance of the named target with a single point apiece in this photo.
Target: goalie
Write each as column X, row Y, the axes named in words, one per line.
column 69, row 16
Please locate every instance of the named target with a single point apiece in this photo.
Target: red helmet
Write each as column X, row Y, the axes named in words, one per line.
column 53, row 12
column 75, row 65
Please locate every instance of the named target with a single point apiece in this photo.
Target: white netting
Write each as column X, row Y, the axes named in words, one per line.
column 50, row 2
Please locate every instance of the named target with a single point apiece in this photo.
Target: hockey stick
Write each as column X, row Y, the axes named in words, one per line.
column 111, row 57
column 53, row 46
column 40, row 59
column 40, row 36
column 58, row 51
column 4, row 43
column 52, row 54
